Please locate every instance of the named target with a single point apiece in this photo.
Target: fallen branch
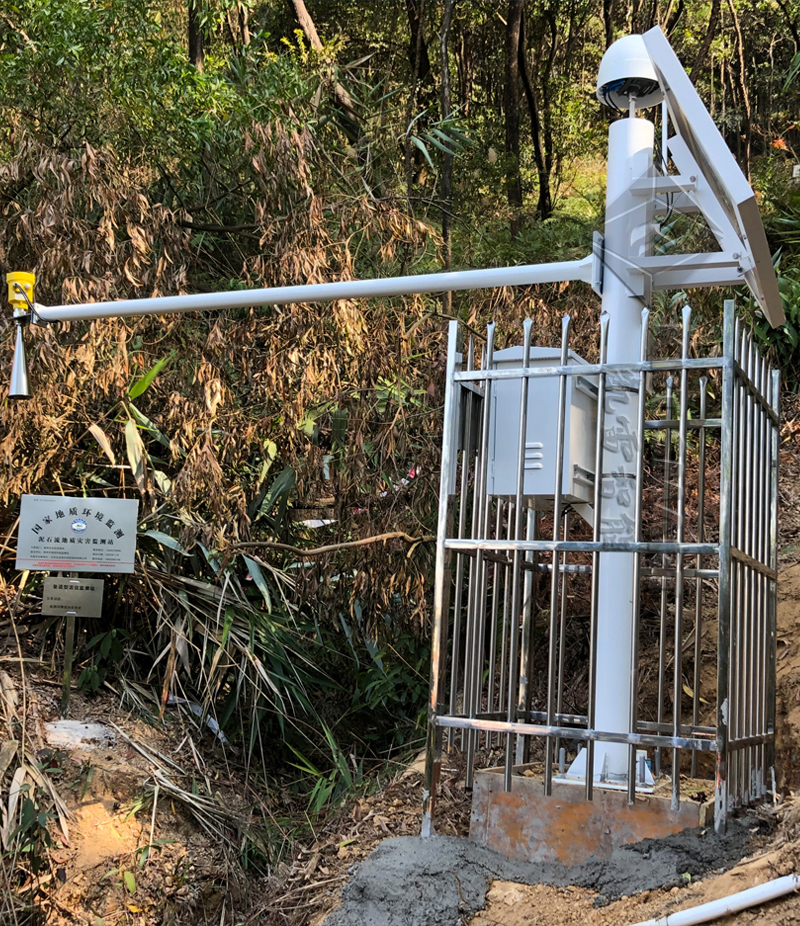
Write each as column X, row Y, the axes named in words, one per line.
column 334, row 547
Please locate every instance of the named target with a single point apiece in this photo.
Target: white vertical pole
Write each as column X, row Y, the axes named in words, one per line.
column 628, row 234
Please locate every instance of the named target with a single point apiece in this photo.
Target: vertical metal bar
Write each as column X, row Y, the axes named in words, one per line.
column 470, row 459
column 506, row 634
column 532, row 593
column 737, row 593
column 597, row 503
column 558, row 505
column 433, row 757
column 662, row 633
column 773, row 562
column 745, row 684
column 723, row 612
column 498, row 526
column 758, row 617
column 562, row 632
column 763, row 641
column 460, row 560
column 766, row 582
column 69, row 650
column 637, row 579
column 482, row 519
column 526, row 648
column 516, row 590
column 677, row 677
column 698, row 585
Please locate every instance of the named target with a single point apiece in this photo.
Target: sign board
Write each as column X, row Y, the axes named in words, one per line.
column 63, row 533
column 81, row 597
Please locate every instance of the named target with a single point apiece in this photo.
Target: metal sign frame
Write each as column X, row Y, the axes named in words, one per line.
column 71, row 534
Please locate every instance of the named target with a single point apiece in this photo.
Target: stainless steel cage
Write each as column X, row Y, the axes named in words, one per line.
column 506, row 569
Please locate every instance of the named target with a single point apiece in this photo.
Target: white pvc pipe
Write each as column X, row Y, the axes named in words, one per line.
column 453, row 281
column 753, row 896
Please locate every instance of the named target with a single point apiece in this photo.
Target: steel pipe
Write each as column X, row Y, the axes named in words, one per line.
column 452, row 282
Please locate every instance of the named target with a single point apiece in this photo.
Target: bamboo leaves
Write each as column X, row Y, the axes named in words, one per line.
column 258, row 578
column 136, row 455
column 105, row 444
column 141, row 384
column 166, row 541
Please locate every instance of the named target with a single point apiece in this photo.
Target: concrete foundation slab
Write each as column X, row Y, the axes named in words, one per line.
column 565, row 827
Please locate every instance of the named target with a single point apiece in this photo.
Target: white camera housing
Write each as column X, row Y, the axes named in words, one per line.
column 626, row 72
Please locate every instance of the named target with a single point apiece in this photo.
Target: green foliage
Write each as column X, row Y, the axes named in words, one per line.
column 107, row 652
column 31, row 837
column 328, row 788
column 783, row 344
column 393, row 683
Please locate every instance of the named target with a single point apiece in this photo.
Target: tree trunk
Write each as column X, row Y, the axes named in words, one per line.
column 244, row 24
column 447, row 162
column 196, row 35
column 608, row 22
column 349, row 119
column 418, row 46
column 547, row 104
column 341, row 95
column 740, row 74
column 633, row 9
column 410, row 161
column 674, row 18
column 791, row 24
column 711, row 31
column 544, row 207
column 513, row 177
column 465, row 68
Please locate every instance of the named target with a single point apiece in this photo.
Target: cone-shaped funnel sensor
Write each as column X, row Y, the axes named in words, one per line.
column 20, row 383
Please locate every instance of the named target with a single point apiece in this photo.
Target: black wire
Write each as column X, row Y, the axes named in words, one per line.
column 670, row 196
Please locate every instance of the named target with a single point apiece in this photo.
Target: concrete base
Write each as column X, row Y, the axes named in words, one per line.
column 565, row 827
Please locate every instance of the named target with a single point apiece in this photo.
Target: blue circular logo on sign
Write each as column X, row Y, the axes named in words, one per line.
column 79, row 525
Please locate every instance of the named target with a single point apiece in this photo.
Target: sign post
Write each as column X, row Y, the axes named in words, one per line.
column 65, row 534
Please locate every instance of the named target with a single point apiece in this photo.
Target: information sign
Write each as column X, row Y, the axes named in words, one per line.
column 63, row 533
column 80, row 597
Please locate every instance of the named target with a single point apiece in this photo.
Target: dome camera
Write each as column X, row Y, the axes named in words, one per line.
column 627, row 73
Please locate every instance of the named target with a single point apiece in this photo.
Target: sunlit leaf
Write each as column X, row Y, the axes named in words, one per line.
column 136, row 454
column 139, row 386
column 101, row 437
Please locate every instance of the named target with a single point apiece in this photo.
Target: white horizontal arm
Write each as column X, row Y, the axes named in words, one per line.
column 454, row 281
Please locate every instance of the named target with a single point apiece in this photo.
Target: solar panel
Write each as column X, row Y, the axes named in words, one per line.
column 723, row 176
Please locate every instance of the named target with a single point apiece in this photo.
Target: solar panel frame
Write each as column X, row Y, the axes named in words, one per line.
column 715, row 160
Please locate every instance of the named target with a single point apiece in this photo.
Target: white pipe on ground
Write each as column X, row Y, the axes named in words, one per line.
column 451, row 281
column 753, row 896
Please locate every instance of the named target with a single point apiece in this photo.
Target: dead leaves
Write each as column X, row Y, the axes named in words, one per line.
column 136, row 455
column 102, row 438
